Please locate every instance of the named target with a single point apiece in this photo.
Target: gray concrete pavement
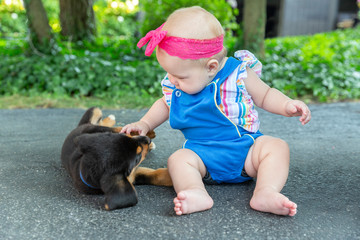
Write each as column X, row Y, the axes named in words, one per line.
column 37, row 200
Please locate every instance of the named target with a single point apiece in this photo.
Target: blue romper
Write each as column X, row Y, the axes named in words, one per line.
column 221, row 144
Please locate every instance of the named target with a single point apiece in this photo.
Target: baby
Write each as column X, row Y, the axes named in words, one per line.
column 210, row 98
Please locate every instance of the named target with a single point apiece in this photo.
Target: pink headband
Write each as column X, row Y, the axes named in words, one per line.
column 184, row 48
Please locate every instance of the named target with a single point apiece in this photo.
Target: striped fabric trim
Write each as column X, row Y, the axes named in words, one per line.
column 236, row 103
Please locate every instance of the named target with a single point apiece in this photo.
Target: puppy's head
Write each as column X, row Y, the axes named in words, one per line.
column 112, row 157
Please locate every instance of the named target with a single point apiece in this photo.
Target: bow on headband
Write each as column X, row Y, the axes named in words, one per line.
column 154, row 37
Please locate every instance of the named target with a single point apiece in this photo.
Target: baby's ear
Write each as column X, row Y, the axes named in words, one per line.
column 212, row 67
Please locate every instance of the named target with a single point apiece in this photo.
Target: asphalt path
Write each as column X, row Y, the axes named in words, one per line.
column 38, row 201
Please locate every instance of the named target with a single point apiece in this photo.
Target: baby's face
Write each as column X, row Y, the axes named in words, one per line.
column 186, row 75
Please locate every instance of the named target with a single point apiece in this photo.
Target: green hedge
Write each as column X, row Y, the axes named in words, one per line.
column 109, row 68
column 323, row 67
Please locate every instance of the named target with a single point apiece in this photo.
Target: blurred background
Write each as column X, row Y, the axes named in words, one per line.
column 78, row 53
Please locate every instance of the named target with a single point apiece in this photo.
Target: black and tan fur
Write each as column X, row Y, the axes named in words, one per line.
column 108, row 161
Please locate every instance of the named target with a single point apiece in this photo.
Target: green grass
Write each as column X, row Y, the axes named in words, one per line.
column 50, row 101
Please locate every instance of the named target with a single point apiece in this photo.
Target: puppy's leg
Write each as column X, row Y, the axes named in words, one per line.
column 108, row 122
column 117, row 129
column 92, row 115
column 159, row 177
column 119, row 192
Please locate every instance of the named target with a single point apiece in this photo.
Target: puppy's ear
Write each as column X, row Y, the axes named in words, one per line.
column 134, row 162
column 151, row 134
column 83, row 142
column 79, row 141
column 142, row 148
column 119, row 192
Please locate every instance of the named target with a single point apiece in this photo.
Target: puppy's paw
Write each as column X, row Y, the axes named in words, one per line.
column 152, row 146
column 109, row 121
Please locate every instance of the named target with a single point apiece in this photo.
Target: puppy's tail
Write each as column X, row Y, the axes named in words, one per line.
column 92, row 115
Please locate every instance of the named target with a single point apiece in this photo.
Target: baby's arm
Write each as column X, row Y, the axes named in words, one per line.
column 157, row 114
column 272, row 100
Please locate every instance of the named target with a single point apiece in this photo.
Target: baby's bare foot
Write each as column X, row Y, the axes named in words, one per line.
column 269, row 200
column 192, row 200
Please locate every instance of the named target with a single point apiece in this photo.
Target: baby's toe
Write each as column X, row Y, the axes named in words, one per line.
column 292, row 212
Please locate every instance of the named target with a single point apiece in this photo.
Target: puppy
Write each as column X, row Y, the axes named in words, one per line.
column 102, row 161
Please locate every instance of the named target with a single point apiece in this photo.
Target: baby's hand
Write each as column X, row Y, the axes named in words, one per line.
column 298, row 108
column 140, row 127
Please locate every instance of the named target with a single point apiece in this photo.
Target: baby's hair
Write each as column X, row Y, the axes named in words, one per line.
column 195, row 23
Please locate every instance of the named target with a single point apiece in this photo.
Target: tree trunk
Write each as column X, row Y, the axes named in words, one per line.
column 40, row 30
column 77, row 19
column 254, row 26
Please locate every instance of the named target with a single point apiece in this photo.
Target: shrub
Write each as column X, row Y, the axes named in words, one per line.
column 324, row 67
column 81, row 71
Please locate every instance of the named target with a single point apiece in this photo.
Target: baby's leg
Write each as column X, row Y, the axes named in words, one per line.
column 268, row 161
column 187, row 170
